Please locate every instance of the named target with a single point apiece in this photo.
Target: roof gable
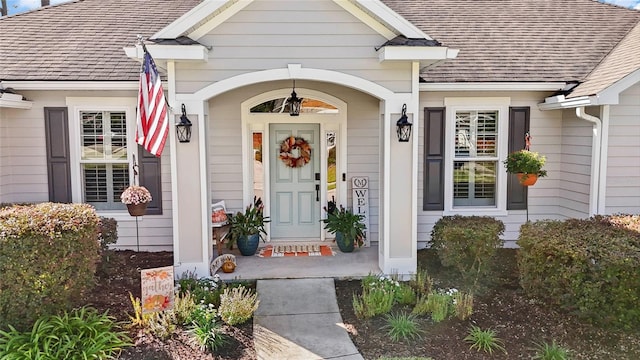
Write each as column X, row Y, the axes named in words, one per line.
column 211, row 13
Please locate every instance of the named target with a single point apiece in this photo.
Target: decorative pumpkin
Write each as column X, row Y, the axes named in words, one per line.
column 228, row 266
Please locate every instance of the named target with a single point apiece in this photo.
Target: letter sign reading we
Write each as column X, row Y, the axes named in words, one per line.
column 360, row 189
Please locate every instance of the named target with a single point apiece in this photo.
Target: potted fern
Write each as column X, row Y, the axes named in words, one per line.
column 347, row 227
column 527, row 165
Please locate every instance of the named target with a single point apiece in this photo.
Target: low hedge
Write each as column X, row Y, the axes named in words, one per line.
column 48, row 256
column 589, row 267
column 467, row 243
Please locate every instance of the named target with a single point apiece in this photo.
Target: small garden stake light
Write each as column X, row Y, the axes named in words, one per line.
column 404, row 126
column 183, row 128
column 294, row 102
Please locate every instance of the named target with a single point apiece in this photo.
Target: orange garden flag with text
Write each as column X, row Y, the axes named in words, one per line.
column 153, row 118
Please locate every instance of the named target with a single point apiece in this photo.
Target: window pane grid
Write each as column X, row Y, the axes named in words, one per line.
column 475, row 158
column 104, row 158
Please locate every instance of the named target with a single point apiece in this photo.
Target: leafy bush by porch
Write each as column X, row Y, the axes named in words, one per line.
column 586, row 266
column 48, row 256
column 468, row 244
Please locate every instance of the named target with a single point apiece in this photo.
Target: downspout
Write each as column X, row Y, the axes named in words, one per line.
column 594, row 187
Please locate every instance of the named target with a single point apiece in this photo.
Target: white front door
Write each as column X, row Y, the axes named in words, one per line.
column 295, row 187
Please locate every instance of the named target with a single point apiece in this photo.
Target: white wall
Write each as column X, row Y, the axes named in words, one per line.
column 23, row 171
column 270, row 34
column 546, row 131
column 575, row 172
column 623, row 167
column 225, row 142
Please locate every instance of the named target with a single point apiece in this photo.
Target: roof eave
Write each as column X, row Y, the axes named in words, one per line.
column 195, row 53
column 559, row 102
column 426, row 55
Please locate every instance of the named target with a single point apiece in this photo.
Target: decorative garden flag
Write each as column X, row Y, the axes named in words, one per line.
column 153, row 118
column 157, row 289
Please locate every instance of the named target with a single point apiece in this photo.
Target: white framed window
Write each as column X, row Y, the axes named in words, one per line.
column 101, row 139
column 476, row 144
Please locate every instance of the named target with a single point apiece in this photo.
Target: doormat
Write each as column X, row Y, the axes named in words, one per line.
column 296, row 250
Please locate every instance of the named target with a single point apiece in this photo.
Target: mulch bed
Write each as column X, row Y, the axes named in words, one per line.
column 518, row 321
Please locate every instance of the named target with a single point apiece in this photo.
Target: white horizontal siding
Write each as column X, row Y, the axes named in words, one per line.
column 623, row 167
column 23, row 172
column 577, row 137
column 546, row 134
column 271, row 34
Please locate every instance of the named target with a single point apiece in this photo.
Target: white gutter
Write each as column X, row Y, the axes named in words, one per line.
column 596, row 144
column 71, row 85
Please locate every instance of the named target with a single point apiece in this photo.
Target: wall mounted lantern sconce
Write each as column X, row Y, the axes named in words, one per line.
column 183, row 128
column 404, row 126
column 294, row 102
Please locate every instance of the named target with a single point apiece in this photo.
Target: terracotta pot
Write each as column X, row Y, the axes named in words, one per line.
column 527, row 179
column 137, row 209
column 228, row 266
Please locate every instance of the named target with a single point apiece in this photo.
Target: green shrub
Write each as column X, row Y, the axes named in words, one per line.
column 237, row 305
column 404, row 295
column 48, row 257
column 467, row 243
column 585, row 266
column 107, row 233
column 81, row 334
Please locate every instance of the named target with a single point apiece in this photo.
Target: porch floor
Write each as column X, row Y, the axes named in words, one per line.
column 361, row 262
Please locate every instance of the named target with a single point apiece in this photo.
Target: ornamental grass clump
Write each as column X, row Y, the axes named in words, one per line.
column 237, row 305
column 402, row 326
column 484, row 340
column 206, row 331
column 48, row 258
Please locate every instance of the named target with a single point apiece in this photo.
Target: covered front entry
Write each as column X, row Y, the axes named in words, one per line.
column 296, row 161
column 295, row 181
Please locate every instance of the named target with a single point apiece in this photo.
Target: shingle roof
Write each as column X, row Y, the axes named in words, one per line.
column 499, row 40
column 81, row 40
column 622, row 61
column 518, row 40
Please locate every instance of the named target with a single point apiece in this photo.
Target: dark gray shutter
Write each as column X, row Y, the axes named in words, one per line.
column 518, row 127
column 434, row 124
column 56, row 124
column 149, row 176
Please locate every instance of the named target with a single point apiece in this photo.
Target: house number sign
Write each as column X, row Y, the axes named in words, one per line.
column 360, row 188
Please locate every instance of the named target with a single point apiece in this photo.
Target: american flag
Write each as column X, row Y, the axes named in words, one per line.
column 152, row 119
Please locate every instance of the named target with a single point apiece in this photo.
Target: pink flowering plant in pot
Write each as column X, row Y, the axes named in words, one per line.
column 134, row 195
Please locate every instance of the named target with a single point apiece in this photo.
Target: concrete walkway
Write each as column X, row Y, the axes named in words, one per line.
column 300, row 319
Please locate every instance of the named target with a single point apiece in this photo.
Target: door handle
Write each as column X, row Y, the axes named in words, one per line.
column 317, row 192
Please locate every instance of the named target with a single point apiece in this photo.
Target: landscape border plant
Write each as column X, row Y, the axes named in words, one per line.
column 80, row 334
column 402, row 326
column 484, row 340
column 237, row 305
column 48, row 258
column 549, row 351
column 378, row 296
column 585, row 266
column 468, row 244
